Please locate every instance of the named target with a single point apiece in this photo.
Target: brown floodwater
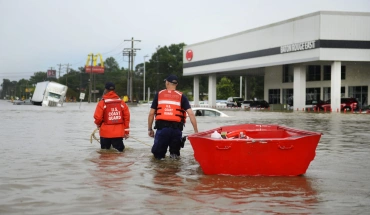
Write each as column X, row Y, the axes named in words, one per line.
column 49, row 166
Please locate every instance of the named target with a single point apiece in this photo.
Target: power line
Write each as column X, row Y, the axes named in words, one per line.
column 115, row 47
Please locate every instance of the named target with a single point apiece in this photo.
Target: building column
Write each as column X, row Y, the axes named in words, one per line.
column 245, row 88
column 335, row 86
column 212, row 82
column 196, row 91
column 241, row 87
column 299, row 88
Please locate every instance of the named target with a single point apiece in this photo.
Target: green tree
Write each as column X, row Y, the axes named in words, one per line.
column 38, row 77
column 225, row 88
column 72, row 80
column 111, row 65
column 165, row 61
column 6, row 88
column 255, row 87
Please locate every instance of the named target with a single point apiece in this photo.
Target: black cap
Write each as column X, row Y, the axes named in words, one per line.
column 171, row 79
column 109, row 86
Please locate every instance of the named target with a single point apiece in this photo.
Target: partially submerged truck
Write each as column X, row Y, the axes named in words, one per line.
column 49, row 93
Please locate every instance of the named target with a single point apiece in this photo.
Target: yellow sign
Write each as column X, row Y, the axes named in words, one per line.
column 28, row 90
column 94, row 68
column 125, row 98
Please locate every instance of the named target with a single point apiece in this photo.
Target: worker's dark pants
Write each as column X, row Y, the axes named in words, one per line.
column 164, row 138
column 117, row 143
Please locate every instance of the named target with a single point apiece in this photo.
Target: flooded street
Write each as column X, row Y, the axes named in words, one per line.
column 49, row 166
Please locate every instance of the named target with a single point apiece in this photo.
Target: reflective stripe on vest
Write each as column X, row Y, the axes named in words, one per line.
column 169, row 106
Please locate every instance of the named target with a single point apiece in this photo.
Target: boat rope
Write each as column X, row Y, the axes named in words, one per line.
column 140, row 141
column 92, row 136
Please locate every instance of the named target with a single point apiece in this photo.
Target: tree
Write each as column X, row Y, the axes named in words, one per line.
column 225, row 88
column 6, row 88
column 38, row 77
column 111, row 65
column 165, row 61
column 255, row 87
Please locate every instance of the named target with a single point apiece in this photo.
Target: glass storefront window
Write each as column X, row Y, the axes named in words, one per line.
column 360, row 93
column 274, row 96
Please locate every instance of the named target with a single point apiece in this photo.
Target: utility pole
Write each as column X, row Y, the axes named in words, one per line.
column 132, row 63
column 92, row 58
column 67, row 73
column 60, row 67
column 128, row 53
column 158, row 68
column 94, row 86
column 144, row 79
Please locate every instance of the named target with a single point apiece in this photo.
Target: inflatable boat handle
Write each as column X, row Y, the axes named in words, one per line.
column 224, row 148
column 286, row 147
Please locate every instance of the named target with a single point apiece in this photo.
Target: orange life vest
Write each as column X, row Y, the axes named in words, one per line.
column 169, row 106
column 113, row 111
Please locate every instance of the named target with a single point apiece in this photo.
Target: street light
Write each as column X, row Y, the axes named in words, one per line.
column 144, row 78
column 156, row 90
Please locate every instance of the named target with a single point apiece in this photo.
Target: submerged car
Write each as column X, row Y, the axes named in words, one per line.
column 234, row 101
column 203, row 111
column 259, row 104
column 24, row 102
column 347, row 104
column 221, row 103
column 246, row 104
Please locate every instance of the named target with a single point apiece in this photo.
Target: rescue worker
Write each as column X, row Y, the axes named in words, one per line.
column 112, row 117
column 169, row 108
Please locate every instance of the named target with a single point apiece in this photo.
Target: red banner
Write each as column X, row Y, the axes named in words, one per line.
column 94, row 69
column 51, row 74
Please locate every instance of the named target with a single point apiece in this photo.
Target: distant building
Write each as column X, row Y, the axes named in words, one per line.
column 322, row 55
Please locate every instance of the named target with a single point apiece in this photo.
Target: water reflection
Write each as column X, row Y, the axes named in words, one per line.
column 243, row 194
column 166, row 179
column 112, row 169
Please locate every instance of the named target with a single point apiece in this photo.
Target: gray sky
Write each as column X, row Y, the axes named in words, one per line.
column 38, row 34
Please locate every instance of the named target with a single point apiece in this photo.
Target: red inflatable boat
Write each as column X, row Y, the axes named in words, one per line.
column 252, row 149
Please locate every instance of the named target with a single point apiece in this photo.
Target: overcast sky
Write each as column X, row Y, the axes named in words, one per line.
column 38, row 34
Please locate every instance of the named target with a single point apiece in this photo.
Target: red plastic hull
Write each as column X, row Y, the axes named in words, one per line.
column 272, row 150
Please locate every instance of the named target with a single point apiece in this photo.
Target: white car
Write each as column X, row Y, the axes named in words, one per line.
column 246, row 104
column 203, row 111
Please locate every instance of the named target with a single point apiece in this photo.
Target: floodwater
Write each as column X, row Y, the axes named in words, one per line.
column 49, row 166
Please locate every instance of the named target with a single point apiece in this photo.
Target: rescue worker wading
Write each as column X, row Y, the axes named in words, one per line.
column 112, row 117
column 169, row 107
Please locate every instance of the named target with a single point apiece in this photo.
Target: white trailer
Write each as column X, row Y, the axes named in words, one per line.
column 49, row 94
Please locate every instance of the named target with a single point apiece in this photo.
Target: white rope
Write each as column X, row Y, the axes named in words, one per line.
column 92, row 136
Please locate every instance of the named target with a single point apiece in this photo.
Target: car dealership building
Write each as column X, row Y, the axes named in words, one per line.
column 318, row 56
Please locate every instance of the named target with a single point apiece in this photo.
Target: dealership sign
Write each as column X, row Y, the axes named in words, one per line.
column 298, row 47
column 189, row 55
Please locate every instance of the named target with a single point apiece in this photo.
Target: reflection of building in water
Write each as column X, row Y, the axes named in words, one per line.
column 290, row 193
column 111, row 169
